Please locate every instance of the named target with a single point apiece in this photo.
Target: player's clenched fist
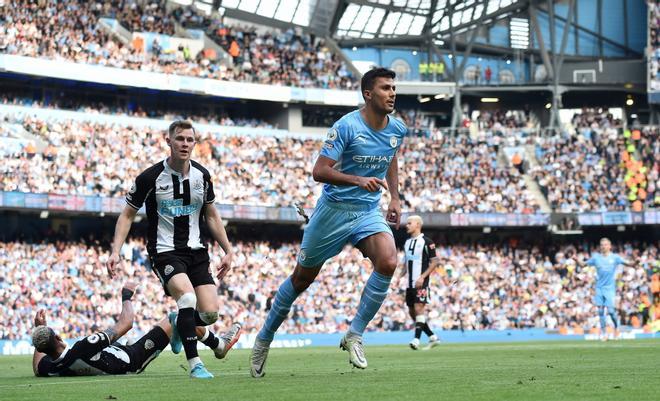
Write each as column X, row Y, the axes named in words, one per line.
column 372, row 184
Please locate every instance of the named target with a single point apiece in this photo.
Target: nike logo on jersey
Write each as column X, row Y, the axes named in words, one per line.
column 361, row 139
column 163, row 187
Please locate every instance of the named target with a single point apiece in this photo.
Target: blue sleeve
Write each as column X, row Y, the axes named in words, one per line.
column 336, row 141
column 591, row 261
column 620, row 260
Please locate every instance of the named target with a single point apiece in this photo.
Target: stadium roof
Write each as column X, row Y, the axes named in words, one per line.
column 298, row 12
column 370, row 19
column 415, row 22
column 388, row 18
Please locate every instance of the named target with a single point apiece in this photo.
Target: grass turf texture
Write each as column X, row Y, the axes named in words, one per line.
column 621, row 370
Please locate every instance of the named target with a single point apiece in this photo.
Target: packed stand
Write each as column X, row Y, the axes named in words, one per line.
column 599, row 167
column 291, row 57
column 144, row 16
column 446, row 174
column 460, row 174
column 215, row 117
column 654, row 45
column 501, row 120
column 476, row 287
column 70, row 31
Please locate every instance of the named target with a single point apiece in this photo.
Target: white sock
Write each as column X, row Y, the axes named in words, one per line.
column 352, row 334
column 194, row 361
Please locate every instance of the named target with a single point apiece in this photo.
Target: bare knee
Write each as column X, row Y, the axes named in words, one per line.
column 386, row 265
column 209, row 317
column 303, row 277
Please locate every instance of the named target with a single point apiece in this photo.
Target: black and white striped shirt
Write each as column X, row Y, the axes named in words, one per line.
column 91, row 356
column 418, row 253
column 174, row 205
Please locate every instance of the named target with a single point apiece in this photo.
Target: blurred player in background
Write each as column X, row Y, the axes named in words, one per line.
column 606, row 263
column 419, row 262
column 99, row 354
column 177, row 193
column 357, row 161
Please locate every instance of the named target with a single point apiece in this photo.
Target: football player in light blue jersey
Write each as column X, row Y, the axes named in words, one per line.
column 606, row 264
column 357, row 162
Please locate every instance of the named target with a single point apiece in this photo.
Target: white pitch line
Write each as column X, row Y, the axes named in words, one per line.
column 112, row 378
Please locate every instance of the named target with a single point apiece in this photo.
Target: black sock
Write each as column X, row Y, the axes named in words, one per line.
column 418, row 330
column 427, row 329
column 211, row 340
column 185, row 324
column 199, row 321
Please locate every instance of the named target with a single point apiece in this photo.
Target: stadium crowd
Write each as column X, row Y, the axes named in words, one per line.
column 476, row 287
column 589, row 169
column 444, row 173
column 71, row 31
column 653, row 50
column 461, row 174
column 215, row 117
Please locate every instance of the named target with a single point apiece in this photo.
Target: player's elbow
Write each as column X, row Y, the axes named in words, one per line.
column 317, row 173
column 124, row 323
column 122, row 327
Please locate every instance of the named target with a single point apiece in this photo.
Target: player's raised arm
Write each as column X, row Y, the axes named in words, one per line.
column 126, row 317
column 39, row 320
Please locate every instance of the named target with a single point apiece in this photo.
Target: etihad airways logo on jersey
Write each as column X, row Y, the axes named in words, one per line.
column 175, row 208
column 372, row 161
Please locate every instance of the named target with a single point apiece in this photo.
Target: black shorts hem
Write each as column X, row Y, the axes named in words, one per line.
column 195, row 263
column 417, row 296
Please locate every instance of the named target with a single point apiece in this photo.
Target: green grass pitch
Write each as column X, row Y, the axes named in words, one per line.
column 618, row 370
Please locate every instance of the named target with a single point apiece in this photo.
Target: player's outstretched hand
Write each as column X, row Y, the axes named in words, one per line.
column 225, row 265
column 111, row 264
column 40, row 318
column 419, row 283
column 372, row 184
column 394, row 212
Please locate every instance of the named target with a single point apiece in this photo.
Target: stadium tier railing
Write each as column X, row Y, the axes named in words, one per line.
column 18, row 112
column 100, row 205
column 203, row 86
column 178, row 83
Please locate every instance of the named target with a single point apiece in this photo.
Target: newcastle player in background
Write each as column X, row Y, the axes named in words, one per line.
column 418, row 263
column 178, row 193
column 99, row 354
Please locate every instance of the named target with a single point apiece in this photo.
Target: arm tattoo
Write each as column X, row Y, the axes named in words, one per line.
column 112, row 334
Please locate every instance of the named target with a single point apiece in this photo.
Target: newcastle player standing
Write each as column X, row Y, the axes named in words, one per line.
column 178, row 193
column 419, row 262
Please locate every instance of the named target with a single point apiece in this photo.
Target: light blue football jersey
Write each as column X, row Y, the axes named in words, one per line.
column 606, row 269
column 359, row 150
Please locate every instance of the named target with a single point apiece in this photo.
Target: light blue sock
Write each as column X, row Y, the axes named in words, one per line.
column 285, row 297
column 615, row 320
column 373, row 295
column 601, row 315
